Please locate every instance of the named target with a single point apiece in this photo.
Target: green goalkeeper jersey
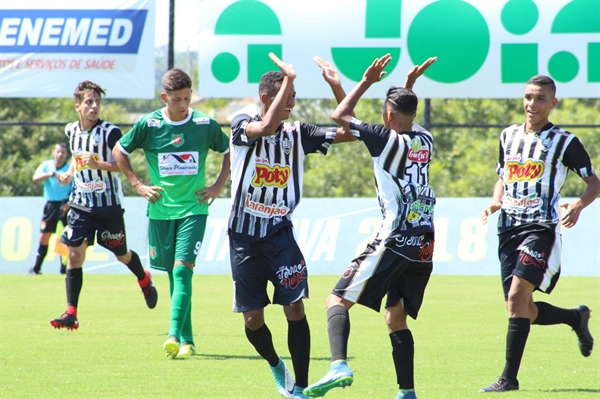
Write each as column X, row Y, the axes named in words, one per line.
column 176, row 156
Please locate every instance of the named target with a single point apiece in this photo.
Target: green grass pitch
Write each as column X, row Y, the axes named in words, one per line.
column 117, row 351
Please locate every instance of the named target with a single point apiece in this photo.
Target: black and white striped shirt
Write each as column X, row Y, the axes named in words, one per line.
column 266, row 175
column 94, row 190
column 401, row 167
column 534, row 166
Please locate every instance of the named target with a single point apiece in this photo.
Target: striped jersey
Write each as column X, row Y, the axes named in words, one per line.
column 533, row 167
column 266, row 175
column 401, row 167
column 94, row 190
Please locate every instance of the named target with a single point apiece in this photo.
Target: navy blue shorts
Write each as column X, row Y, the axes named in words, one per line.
column 52, row 215
column 108, row 228
column 532, row 253
column 399, row 268
column 277, row 259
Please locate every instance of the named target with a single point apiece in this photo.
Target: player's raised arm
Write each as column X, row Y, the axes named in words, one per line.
column 374, row 73
column 275, row 103
column 416, row 71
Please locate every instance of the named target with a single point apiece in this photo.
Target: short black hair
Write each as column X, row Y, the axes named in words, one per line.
column 402, row 100
column 175, row 79
column 268, row 82
column 543, row 80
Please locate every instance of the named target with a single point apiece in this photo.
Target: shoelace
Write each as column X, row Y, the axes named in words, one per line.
column 146, row 289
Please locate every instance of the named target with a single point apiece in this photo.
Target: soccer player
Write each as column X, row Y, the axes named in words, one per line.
column 95, row 200
column 267, row 167
column 56, row 195
column 398, row 262
column 533, row 163
column 176, row 140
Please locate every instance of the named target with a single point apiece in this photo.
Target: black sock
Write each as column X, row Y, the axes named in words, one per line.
column 262, row 341
column 73, row 283
column 299, row 347
column 41, row 254
column 338, row 328
column 516, row 338
column 403, row 353
column 135, row 265
column 549, row 315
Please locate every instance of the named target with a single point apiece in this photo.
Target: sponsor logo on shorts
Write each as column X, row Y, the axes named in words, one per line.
column 529, row 171
column 152, row 252
column 410, row 241
column 426, row 252
column 529, row 257
column 178, row 163
column 265, row 175
column 291, row 276
column 265, row 211
column 112, row 240
column 43, row 225
column 95, row 185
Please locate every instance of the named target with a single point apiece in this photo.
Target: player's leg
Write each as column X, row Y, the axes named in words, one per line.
column 404, row 299
column 78, row 235
column 50, row 218
column 249, row 274
column 112, row 236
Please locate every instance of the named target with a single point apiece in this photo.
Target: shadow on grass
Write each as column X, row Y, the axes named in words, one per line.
column 589, row 390
column 255, row 357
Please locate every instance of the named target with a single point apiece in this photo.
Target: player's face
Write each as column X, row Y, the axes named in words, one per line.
column 89, row 109
column 60, row 155
column 289, row 103
column 537, row 103
column 178, row 103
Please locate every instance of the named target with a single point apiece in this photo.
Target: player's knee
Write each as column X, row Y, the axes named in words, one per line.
column 125, row 259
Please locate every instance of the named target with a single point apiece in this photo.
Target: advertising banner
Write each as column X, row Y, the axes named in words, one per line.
column 49, row 47
column 485, row 48
column 330, row 232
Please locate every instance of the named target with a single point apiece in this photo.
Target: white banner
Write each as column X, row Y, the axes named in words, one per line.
column 485, row 48
column 48, row 47
column 330, row 232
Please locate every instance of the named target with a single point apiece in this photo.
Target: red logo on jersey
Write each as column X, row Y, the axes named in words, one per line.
column 418, row 156
column 79, row 163
column 529, row 171
column 267, row 176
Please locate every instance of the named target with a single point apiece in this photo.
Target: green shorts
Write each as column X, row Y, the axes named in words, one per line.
column 172, row 240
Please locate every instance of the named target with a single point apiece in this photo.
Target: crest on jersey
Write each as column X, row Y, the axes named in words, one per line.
column 546, row 143
column 286, row 144
column 177, row 140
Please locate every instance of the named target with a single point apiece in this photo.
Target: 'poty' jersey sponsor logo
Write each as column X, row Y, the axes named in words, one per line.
column 178, row 163
column 266, row 175
column 529, row 171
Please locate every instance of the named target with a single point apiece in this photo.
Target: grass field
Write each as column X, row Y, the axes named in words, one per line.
column 117, row 351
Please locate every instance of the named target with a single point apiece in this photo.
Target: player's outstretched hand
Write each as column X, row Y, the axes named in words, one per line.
column 491, row 208
column 330, row 74
column 287, row 69
column 374, row 72
column 150, row 193
column 571, row 214
column 418, row 70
